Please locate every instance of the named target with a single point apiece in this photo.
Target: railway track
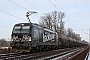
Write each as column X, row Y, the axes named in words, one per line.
column 62, row 56
column 55, row 54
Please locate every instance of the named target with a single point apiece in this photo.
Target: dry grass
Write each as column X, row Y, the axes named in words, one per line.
column 5, row 51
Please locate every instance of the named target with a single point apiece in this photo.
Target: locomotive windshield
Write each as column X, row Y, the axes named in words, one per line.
column 21, row 29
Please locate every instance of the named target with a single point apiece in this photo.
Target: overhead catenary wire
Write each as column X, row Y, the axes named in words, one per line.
column 84, row 32
column 53, row 4
column 39, row 10
column 59, row 5
column 78, row 15
column 12, row 15
column 21, row 6
column 66, row 15
column 77, row 9
column 33, row 6
column 12, row 4
column 62, row 9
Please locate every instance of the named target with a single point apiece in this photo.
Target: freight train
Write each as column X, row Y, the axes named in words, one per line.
column 28, row 37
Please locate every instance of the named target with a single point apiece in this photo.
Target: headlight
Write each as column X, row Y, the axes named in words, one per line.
column 29, row 38
column 11, row 39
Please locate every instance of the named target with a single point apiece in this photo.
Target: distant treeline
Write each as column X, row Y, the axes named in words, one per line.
column 4, row 43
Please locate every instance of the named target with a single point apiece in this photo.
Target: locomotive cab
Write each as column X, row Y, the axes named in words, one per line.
column 21, row 32
column 21, row 36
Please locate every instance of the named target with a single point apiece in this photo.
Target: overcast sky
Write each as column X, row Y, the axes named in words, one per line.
column 14, row 11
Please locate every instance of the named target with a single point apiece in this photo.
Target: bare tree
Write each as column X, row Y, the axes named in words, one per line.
column 73, row 35
column 61, row 15
column 69, row 32
column 53, row 21
column 78, row 37
column 3, row 43
column 46, row 21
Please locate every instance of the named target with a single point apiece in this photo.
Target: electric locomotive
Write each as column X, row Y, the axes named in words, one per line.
column 30, row 37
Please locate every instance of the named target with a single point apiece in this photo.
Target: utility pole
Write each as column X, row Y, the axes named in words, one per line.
column 29, row 13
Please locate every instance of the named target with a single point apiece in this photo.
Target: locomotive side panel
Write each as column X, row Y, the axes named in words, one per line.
column 49, row 37
column 43, row 36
